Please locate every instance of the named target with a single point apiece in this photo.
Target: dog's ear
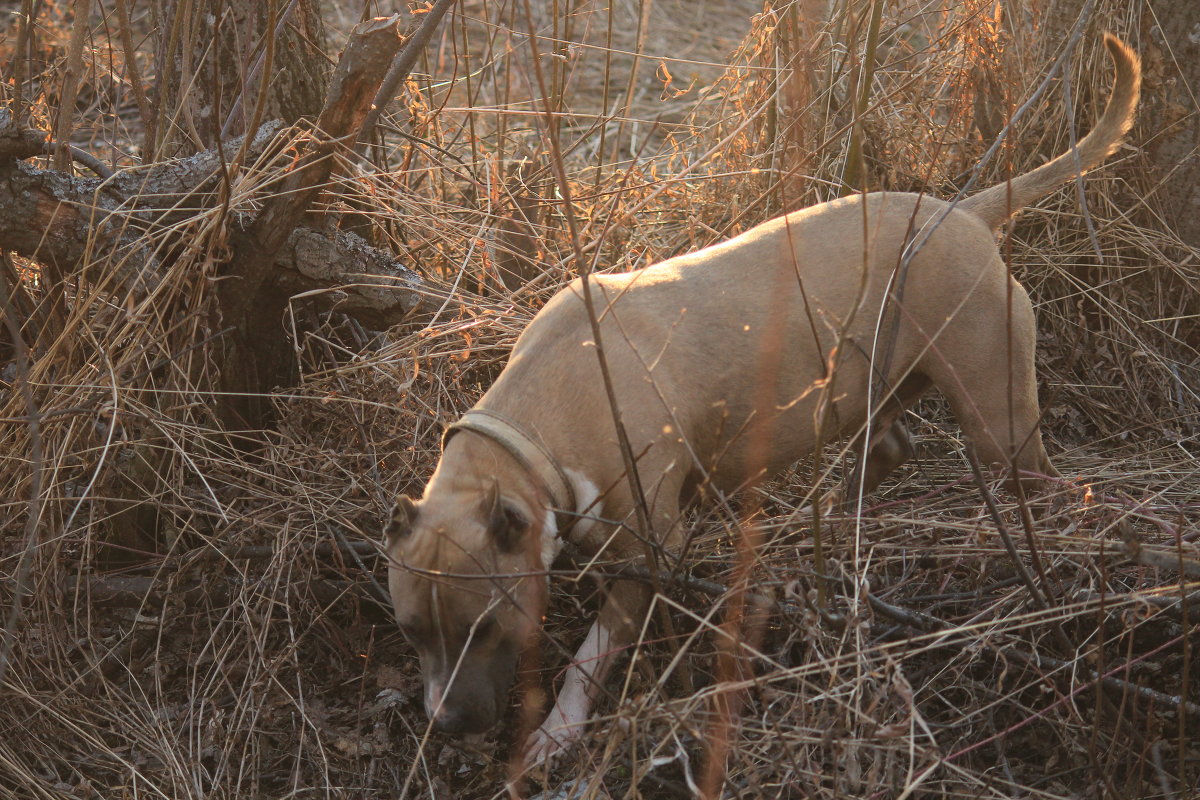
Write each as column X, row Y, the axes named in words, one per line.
column 404, row 512
column 506, row 525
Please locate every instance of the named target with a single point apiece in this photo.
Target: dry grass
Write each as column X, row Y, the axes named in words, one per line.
column 218, row 671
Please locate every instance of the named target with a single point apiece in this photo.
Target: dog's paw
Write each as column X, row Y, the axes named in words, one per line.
column 549, row 742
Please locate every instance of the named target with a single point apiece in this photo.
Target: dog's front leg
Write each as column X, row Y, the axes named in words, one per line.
column 612, row 634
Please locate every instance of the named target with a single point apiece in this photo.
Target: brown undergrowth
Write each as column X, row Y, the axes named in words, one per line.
column 205, row 620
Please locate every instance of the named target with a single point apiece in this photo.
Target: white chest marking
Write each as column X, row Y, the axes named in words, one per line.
column 586, row 495
column 551, row 544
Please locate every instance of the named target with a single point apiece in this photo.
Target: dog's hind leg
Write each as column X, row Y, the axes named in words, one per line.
column 984, row 363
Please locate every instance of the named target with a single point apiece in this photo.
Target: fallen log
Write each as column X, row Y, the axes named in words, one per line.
column 102, row 229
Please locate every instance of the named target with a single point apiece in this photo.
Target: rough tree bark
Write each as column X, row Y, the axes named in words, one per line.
column 225, row 63
column 259, row 355
column 50, row 217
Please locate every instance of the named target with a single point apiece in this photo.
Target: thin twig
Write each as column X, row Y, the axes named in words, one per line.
column 82, row 11
column 33, row 507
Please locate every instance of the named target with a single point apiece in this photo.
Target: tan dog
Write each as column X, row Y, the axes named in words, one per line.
column 721, row 361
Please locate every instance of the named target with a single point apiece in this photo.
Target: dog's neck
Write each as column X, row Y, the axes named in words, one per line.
column 473, row 462
column 527, row 449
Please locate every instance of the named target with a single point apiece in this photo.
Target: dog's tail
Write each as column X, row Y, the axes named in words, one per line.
column 1000, row 202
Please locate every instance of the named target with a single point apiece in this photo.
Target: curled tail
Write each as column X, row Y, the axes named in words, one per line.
column 1000, row 202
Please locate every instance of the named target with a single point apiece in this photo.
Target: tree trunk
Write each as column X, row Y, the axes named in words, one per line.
column 250, row 300
column 216, row 57
column 224, row 67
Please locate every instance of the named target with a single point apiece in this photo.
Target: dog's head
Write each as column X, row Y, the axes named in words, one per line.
column 462, row 570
